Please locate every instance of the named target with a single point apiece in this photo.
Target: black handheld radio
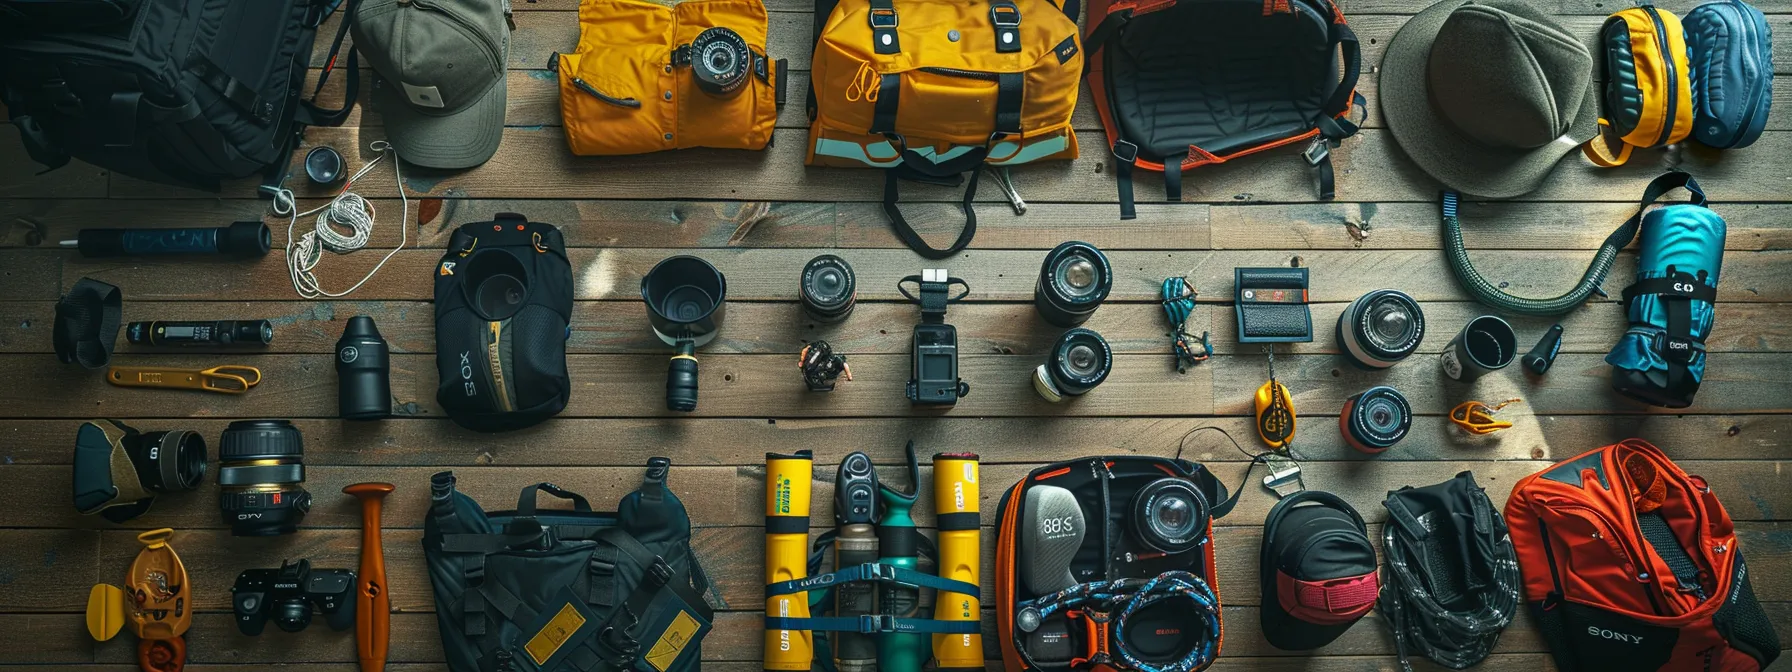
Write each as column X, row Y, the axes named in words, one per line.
column 934, row 380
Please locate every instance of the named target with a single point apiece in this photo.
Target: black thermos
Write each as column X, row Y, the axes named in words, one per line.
column 363, row 371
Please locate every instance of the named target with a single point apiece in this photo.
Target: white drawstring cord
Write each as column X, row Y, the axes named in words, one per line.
column 347, row 209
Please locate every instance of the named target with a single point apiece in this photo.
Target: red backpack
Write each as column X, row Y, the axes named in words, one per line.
column 1186, row 84
column 1631, row 564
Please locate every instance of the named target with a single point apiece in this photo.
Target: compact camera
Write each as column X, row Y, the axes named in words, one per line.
column 288, row 595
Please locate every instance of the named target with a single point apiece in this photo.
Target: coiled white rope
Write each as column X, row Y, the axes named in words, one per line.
column 347, row 210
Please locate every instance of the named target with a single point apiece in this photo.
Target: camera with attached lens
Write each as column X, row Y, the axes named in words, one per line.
column 288, row 596
column 260, row 472
column 119, row 471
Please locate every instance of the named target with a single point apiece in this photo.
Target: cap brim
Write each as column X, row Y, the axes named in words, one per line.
column 1437, row 147
column 449, row 141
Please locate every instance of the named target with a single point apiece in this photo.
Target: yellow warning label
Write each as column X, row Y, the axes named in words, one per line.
column 677, row 635
column 544, row 644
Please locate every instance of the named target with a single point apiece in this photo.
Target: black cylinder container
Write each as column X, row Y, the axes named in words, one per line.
column 1375, row 420
column 1380, row 328
column 1073, row 282
column 684, row 296
column 1487, row 343
column 363, row 372
column 828, row 289
column 246, row 239
column 168, row 461
column 260, row 475
column 1079, row 361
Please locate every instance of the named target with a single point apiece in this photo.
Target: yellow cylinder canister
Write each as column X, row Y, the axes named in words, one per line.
column 787, row 488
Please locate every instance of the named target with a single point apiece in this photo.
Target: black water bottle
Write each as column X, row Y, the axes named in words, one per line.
column 363, row 371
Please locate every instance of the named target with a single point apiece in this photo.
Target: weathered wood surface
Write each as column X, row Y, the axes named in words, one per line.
column 759, row 216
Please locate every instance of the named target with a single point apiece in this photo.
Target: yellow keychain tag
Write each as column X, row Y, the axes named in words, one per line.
column 1275, row 414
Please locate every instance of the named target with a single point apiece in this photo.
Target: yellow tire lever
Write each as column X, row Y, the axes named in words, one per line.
column 227, row 379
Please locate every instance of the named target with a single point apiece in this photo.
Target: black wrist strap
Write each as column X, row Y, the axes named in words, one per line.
column 87, row 320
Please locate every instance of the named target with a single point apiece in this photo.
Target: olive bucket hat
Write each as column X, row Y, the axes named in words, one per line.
column 1487, row 95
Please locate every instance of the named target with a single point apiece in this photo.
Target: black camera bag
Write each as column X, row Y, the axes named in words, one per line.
column 561, row 591
column 510, row 372
column 182, row 92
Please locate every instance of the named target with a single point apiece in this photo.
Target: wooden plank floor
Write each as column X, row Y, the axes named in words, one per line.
column 759, row 216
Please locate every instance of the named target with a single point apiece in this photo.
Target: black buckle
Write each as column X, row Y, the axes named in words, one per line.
column 998, row 10
column 871, row 624
column 881, row 572
column 1126, row 151
column 889, row 16
column 1317, row 152
column 1675, row 349
column 659, row 572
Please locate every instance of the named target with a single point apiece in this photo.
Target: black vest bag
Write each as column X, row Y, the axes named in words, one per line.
column 503, row 303
column 561, row 591
column 183, row 92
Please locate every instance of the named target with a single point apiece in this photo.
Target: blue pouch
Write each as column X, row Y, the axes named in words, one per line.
column 1730, row 48
column 1660, row 360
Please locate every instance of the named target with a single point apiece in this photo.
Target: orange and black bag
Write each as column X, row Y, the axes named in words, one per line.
column 931, row 90
column 648, row 76
column 1186, row 84
column 1107, row 564
column 1630, row 563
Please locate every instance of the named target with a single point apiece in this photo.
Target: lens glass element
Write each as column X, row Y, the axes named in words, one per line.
column 1077, row 276
column 1172, row 516
column 1390, row 323
column 1082, row 360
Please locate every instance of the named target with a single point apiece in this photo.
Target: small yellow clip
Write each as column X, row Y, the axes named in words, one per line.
column 1476, row 417
column 227, row 379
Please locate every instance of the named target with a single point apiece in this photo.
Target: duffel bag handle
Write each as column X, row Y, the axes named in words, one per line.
column 525, row 504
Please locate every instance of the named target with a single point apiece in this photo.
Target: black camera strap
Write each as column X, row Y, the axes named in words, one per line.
column 935, row 293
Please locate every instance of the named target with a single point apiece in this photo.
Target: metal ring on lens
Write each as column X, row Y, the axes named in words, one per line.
column 720, row 62
column 1364, row 328
column 1079, row 361
column 1375, row 420
column 822, row 302
column 1074, row 280
column 1170, row 497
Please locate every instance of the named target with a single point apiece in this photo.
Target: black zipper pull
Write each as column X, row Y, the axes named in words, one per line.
column 619, row 102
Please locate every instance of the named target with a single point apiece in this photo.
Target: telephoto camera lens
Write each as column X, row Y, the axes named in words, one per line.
column 1169, row 515
column 1073, row 282
column 1381, row 328
column 363, row 372
column 1375, row 420
column 1079, row 361
column 828, row 290
column 260, row 469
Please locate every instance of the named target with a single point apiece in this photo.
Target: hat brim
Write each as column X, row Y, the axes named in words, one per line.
column 463, row 139
column 1438, row 148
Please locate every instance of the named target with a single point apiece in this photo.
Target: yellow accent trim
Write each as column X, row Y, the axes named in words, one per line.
column 497, row 366
column 672, row 642
column 552, row 636
column 689, row 357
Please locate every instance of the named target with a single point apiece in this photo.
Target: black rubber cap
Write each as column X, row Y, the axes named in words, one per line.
column 246, row 239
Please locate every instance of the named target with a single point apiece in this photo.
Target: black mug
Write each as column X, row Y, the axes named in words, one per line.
column 684, row 296
column 1487, row 343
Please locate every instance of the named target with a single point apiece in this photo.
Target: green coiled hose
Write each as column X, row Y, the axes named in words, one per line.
column 1490, row 294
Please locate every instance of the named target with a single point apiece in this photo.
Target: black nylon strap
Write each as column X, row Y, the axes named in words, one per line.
column 892, row 191
column 787, row 525
column 1173, row 178
column 309, row 113
column 1677, row 285
column 1345, row 38
column 883, row 27
column 1110, row 25
column 122, row 109
column 650, row 584
column 1125, row 153
column 1328, row 182
column 238, row 94
column 1011, row 93
column 889, row 97
column 957, row 521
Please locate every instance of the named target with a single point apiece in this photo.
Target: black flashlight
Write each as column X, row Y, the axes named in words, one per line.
column 241, row 239
column 216, row 332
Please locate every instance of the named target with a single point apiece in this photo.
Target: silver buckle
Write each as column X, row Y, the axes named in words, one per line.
column 1318, row 151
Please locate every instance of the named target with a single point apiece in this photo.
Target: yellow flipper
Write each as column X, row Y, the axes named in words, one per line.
column 105, row 611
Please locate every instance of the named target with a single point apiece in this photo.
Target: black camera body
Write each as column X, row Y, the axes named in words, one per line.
column 934, row 379
column 287, row 596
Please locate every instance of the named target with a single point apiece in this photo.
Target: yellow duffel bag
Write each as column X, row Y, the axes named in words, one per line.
column 933, row 89
column 1648, row 84
column 648, row 77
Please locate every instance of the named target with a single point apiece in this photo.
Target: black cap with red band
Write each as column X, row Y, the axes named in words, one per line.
column 1318, row 570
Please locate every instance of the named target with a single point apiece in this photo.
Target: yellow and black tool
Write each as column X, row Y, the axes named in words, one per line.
column 787, row 491
column 227, row 379
column 955, row 501
column 1275, row 410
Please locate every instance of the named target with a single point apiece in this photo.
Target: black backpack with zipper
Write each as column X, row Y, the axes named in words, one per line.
column 181, row 92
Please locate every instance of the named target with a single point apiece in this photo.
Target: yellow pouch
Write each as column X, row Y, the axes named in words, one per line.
column 630, row 88
column 1648, row 84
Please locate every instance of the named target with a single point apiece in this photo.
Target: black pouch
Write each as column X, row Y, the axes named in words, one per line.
column 1272, row 305
column 671, row 624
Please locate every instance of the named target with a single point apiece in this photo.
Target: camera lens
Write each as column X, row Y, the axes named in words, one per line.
column 1169, row 515
column 828, row 290
column 1381, row 328
column 1073, row 282
column 1375, row 420
column 363, row 371
column 292, row 615
column 168, row 461
column 260, row 471
column 1079, row 361
column 720, row 61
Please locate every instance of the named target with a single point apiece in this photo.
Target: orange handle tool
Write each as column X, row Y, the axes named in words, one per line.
column 228, row 379
column 373, row 606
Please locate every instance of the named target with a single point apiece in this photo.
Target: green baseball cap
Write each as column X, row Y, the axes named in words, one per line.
column 439, row 76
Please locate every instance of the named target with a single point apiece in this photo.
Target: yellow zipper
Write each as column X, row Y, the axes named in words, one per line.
column 497, row 367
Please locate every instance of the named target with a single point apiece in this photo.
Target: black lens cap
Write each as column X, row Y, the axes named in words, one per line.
column 323, row 165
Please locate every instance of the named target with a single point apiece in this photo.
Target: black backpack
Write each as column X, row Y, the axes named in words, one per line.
column 182, row 92
column 503, row 306
column 559, row 590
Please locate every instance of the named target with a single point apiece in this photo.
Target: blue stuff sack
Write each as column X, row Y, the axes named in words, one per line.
column 1730, row 48
column 1660, row 360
